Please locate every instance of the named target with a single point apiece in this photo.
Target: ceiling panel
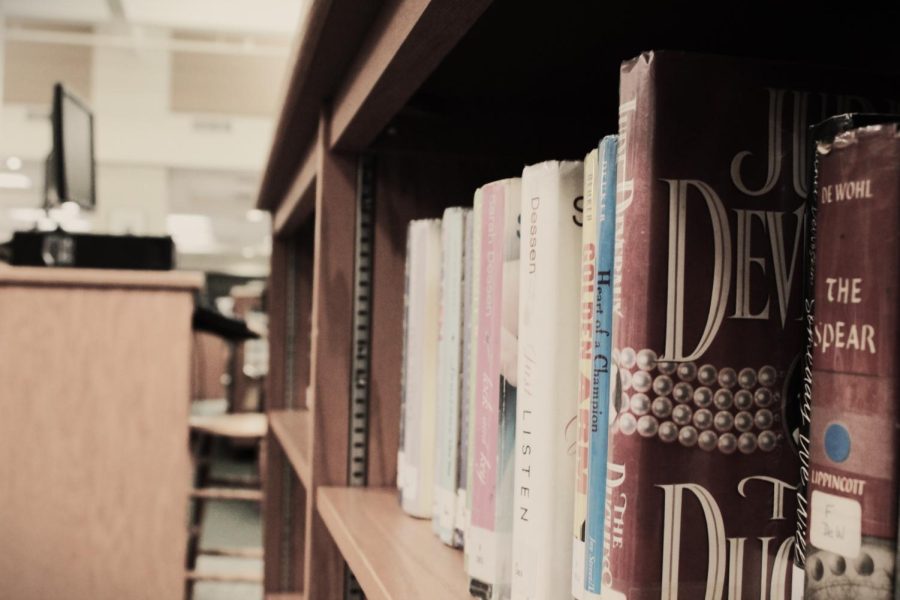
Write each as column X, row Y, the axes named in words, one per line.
column 31, row 69
column 233, row 85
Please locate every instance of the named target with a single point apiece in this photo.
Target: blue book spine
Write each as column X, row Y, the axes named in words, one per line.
column 605, row 204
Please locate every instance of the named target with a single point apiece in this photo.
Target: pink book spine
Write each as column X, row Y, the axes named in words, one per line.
column 488, row 368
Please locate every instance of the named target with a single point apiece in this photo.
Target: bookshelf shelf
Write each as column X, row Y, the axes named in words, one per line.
column 444, row 96
column 328, row 39
column 406, row 42
column 291, row 429
column 300, row 200
column 393, row 556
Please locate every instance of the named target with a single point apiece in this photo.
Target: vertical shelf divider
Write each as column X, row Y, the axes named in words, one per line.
column 330, row 356
column 284, row 497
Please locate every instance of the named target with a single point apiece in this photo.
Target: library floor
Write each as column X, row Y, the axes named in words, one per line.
column 230, row 524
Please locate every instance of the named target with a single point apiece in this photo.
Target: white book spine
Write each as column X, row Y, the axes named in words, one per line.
column 472, row 363
column 447, row 421
column 548, row 371
column 420, row 371
column 404, row 373
column 461, row 520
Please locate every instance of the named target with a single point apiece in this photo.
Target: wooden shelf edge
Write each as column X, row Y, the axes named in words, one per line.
column 285, row 596
column 407, row 41
column 292, row 431
column 327, row 41
column 299, row 202
column 68, row 277
column 393, row 556
column 303, row 53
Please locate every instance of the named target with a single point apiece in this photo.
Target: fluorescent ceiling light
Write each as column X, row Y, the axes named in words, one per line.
column 70, row 221
column 82, row 11
column 70, row 208
column 26, row 214
column 254, row 215
column 192, row 233
column 15, row 181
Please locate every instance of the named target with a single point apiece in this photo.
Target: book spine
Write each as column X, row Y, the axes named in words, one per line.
column 482, row 557
column 601, row 360
column 472, row 379
column 586, row 312
column 460, row 521
column 618, row 552
column 508, row 376
column 855, row 418
column 707, row 338
column 804, row 396
column 449, row 383
column 824, row 132
column 548, row 380
column 412, row 352
column 420, row 399
column 405, row 374
column 494, row 423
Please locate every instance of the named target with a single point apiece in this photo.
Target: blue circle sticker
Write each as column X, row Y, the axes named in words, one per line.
column 837, row 442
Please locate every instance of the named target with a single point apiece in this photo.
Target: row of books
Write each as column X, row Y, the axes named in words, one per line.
column 614, row 379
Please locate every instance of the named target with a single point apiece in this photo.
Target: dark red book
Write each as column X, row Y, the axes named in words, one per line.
column 855, row 413
column 708, row 329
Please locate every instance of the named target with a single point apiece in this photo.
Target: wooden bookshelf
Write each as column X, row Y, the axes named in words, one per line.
column 300, row 199
column 444, row 96
column 291, row 431
column 393, row 556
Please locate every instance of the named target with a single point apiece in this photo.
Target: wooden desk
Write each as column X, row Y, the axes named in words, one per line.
column 94, row 463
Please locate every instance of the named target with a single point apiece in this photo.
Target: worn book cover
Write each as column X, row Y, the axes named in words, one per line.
column 854, row 421
column 823, row 131
column 708, row 329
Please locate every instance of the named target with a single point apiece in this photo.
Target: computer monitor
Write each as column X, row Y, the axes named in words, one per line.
column 70, row 175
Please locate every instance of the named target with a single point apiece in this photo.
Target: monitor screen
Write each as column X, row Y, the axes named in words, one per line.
column 73, row 149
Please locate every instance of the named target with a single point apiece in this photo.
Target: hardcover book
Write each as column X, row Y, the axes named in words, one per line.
column 548, row 372
column 446, row 473
column 707, row 328
column 600, row 350
column 423, row 285
column 855, row 418
column 490, row 537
